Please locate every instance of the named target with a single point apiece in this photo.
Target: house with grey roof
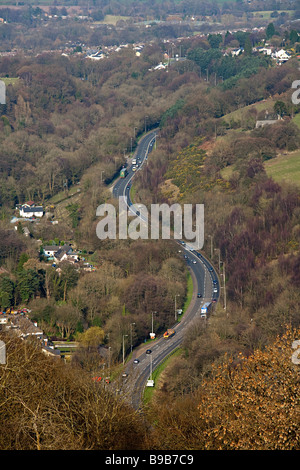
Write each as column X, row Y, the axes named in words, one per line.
column 60, row 253
column 29, row 209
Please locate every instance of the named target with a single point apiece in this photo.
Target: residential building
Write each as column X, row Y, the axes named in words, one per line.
column 29, row 209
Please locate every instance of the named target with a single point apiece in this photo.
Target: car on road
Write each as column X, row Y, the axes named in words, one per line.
column 199, row 295
column 194, row 261
column 148, row 351
column 124, row 374
column 185, row 257
column 136, row 361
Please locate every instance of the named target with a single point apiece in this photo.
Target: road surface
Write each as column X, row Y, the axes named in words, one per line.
column 203, row 275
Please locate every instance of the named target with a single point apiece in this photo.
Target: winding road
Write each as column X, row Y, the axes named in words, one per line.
column 140, row 368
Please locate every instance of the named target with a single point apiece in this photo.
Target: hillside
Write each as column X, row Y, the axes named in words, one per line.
column 79, row 98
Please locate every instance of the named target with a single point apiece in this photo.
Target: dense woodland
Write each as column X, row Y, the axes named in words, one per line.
column 70, row 123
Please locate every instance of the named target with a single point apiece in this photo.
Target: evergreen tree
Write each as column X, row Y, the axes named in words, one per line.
column 270, row 31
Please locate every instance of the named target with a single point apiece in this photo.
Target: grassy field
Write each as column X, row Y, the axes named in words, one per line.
column 241, row 113
column 296, row 120
column 285, row 168
column 149, row 391
column 9, row 81
column 266, row 14
column 112, row 19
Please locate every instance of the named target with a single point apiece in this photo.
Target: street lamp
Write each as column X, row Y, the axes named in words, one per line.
column 219, row 251
column 131, row 335
column 124, row 349
column 224, row 281
column 211, row 246
column 177, row 295
column 109, row 359
column 150, row 366
column 152, row 335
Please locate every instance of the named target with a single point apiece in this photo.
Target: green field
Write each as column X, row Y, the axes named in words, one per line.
column 9, row 81
column 242, row 113
column 296, row 120
column 285, row 168
column 266, row 14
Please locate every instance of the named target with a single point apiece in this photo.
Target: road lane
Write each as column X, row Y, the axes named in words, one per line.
column 204, row 278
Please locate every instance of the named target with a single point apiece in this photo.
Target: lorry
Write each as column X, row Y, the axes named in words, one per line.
column 123, row 172
column 169, row 333
column 205, row 309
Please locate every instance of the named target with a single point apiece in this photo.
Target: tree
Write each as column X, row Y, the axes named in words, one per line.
column 247, row 403
column 66, row 319
column 248, row 46
column 27, row 284
column 294, row 36
column 49, row 405
column 280, row 108
column 7, row 287
column 92, row 337
column 270, row 30
column 215, row 40
column 253, row 401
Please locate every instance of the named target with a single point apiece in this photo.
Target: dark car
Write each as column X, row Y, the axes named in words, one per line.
column 199, row 295
column 148, row 351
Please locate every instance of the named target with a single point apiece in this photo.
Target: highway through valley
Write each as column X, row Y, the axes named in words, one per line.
column 139, row 369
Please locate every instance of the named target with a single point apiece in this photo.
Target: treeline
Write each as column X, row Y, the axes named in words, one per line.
column 94, row 417
column 59, row 107
column 247, row 404
column 132, row 280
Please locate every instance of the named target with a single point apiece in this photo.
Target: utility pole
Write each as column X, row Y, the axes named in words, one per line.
column 152, row 334
column 211, row 246
column 124, row 350
column 131, row 335
column 219, row 251
column 109, row 360
column 224, row 283
column 177, row 295
column 150, row 366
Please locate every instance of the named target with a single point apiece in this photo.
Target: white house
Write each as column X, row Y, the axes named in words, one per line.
column 50, row 251
column 264, row 50
column 61, row 253
column 281, row 56
column 29, row 209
